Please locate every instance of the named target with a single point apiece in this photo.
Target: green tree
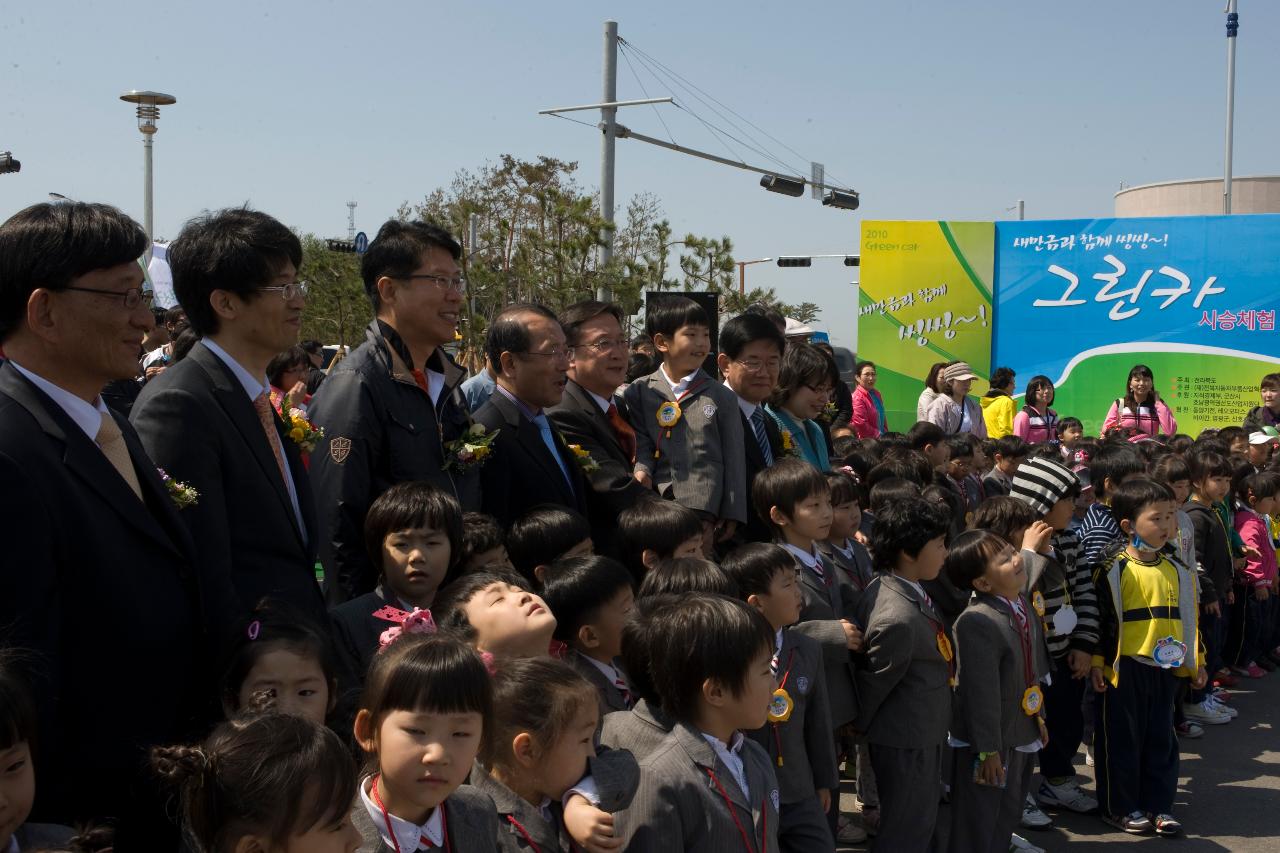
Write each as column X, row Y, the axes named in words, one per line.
column 338, row 310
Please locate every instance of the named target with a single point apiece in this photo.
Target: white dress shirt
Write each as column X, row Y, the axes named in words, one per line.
column 730, row 755
column 678, row 388
column 408, row 836
column 87, row 416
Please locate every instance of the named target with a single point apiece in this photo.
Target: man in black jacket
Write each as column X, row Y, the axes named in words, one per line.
column 390, row 407
column 209, row 422
column 97, row 582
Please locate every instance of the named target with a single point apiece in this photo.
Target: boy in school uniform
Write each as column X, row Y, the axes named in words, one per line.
column 689, row 439
column 645, row 727
column 591, row 598
column 997, row 722
column 904, row 696
column 798, row 734
column 707, row 788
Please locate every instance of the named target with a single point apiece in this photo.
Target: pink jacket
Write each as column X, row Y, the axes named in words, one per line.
column 866, row 417
column 1033, row 431
column 1253, row 530
column 1121, row 415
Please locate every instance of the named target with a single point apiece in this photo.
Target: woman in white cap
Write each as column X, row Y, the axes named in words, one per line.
column 953, row 410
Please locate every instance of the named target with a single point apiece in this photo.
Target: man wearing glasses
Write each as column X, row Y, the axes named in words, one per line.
column 390, row 407
column 98, row 579
column 209, row 423
column 532, row 463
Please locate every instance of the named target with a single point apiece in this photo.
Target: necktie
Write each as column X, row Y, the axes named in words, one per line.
column 113, row 447
column 267, row 417
column 544, row 428
column 623, row 689
column 626, row 435
column 927, row 600
column 762, row 436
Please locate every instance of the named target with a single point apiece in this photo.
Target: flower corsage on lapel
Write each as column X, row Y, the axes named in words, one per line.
column 471, row 450
column 789, row 447
column 301, row 431
column 181, row 494
column 588, row 465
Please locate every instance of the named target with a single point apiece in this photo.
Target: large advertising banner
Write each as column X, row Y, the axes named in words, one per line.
column 924, row 297
column 1194, row 298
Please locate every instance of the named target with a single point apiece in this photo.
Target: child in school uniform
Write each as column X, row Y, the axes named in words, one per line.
column 484, row 543
column 798, row 734
column 1149, row 637
column 689, row 439
column 643, row 728
column 591, row 598
column 997, row 724
column 543, row 535
column 841, row 548
column 904, row 696
column 280, row 653
column 18, row 718
column 707, row 788
column 656, row 530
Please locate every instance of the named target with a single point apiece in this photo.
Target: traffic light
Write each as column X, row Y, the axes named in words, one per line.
column 852, row 260
column 341, row 246
column 8, row 165
column 795, row 262
column 787, row 186
column 841, row 200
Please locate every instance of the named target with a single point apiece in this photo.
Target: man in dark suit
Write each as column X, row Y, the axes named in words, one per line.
column 750, row 359
column 208, row 420
column 588, row 415
column 531, row 463
column 389, row 408
column 97, row 580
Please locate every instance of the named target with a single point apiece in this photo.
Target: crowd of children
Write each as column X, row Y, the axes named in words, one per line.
column 936, row 617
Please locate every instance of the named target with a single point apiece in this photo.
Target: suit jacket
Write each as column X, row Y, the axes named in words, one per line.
column 758, row 529
column 802, row 748
column 580, row 420
column 679, row 805
column 102, row 589
column 37, row 836
column 380, row 429
column 512, row 809
column 824, row 605
column 356, row 633
column 200, row 426
column 640, row 731
column 471, row 824
column 990, row 652
column 611, row 698
column 521, row 473
column 699, row 465
column 905, row 700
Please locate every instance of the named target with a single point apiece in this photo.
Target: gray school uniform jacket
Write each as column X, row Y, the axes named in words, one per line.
column 825, row 604
column 471, row 824
column 679, row 806
column 611, row 698
column 701, row 465
column 992, row 675
column 802, row 749
column 639, row 731
column 903, row 691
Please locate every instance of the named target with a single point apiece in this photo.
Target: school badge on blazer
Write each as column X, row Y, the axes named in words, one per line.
column 339, row 449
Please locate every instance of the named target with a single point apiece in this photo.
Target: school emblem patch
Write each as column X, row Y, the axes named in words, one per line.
column 339, row 449
column 773, row 796
column 708, row 410
column 802, row 684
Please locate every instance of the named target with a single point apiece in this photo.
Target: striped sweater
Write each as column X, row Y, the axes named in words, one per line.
column 1063, row 578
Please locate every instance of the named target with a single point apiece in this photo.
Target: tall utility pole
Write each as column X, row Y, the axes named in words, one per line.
column 1233, row 25
column 351, row 220
column 1022, row 210
column 149, row 104
column 609, row 136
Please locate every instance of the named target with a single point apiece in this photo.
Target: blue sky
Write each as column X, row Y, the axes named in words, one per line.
column 929, row 109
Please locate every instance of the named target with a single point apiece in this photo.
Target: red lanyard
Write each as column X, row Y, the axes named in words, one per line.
column 528, row 839
column 1024, row 638
column 733, row 812
column 782, row 685
column 945, row 648
column 386, row 819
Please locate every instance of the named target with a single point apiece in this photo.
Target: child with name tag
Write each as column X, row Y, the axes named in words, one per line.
column 1149, row 637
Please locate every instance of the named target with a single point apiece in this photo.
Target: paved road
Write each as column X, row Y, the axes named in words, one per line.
column 1228, row 793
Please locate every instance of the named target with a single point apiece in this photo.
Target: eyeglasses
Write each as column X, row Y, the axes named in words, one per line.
column 821, row 391
column 555, row 354
column 456, row 284
column 133, row 297
column 603, row 345
column 289, row 292
column 755, row 365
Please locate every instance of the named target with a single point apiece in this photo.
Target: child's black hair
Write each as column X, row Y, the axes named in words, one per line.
column 891, row 490
column 576, row 588
column 1132, row 496
column 699, row 638
column 753, row 567
column 1257, row 486
column 1228, row 435
column 785, row 484
column 449, row 610
column 952, row 504
column 542, row 535
column 1005, row 516
column 271, row 626
column 904, row 465
column 962, row 444
column 904, row 527
column 1114, row 462
column 275, row 774
column 844, row 487
column 1009, row 447
column 969, row 554
column 668, row 315
column 1205, row 463
column 1069, row 423
column 682, row 575
column 1170, row 468
column 1181, row 443
column 17, row 705
column 409, row 505
column 635, row 649
column 924, row 433
column 656, row 525
column 480, row 533
column 538, row 696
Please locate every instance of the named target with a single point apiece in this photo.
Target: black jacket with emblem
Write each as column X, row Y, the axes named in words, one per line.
column 380, row 428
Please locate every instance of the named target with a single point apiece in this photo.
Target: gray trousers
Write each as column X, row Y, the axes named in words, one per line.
column 802, row 826
column 983, row 817
column 909, row 788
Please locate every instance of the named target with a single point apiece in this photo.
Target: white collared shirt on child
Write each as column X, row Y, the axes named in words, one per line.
column 408, row 836
column 731, row 757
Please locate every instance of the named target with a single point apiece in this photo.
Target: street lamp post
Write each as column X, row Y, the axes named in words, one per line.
column 149, row 104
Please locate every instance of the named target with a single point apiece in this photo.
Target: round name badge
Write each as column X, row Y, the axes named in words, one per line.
column 1032, row 700
column 668, row 415
column 1169, row 652
column 1037, row 602
column 780, row 706
column 1065, row 620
